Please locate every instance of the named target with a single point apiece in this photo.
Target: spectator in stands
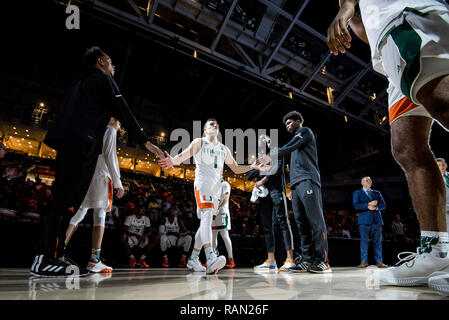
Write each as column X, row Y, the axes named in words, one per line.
column 136, row 232
column 442, row 165
column 3, row 150
column 153, row 209
column 397, row 230
column 173, row 233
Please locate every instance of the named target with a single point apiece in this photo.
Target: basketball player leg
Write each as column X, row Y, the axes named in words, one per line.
column 194, row 260
column 95, row 264
column 214, row 238
column 184, row 242
column 151, row 241
column 311, row 198
column 214, row 262
column 280, row 219
column 266, row 208
column 224, row 233
column 164, row 244
column 228, row 244
column 303, row 263
column 126, row 243
column 411, row 150
column 74, row 222
column 75, row 168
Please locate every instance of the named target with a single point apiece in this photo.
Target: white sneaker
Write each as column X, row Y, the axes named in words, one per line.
column 287, row 265
column 98, row 267
column 440, row 283
column 195, row 265
column 215, row 263
column 415, row 270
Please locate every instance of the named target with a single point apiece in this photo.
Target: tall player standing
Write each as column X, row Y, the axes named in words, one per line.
column 209, row 156
column 409, row 45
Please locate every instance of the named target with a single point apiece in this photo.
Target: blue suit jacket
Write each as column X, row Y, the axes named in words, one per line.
column 360, row 201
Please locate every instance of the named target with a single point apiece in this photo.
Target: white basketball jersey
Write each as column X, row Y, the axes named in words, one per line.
column 136, row 225
column 171, row 227
column 209, row 163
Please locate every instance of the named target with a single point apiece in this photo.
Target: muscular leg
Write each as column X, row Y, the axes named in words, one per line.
column 411, row 150
column 435, row 98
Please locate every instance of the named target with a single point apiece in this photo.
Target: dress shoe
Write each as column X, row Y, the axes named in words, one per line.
column 363, row 265
column 382, row 265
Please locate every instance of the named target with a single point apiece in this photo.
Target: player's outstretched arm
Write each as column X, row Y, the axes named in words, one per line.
column 338, row 37
column 170, row 161
column 238, row 169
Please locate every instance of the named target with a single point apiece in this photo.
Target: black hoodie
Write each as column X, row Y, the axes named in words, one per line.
column 303, row 158
column 91, row 100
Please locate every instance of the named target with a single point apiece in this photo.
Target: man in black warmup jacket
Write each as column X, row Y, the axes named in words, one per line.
column 305, row 195
column 77, row 135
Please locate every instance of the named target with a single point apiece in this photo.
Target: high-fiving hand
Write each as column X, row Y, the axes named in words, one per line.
column 166, row 162
column 338, row 37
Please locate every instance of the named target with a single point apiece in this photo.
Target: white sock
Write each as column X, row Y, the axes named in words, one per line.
column 143, row 257
column 195, row 254
column 209, row 252
column 132, row 256
column 434, row 242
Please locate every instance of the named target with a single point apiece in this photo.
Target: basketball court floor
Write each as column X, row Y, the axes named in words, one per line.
column 345, row 283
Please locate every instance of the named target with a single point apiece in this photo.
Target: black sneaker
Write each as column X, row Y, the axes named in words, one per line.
column 62, row 267
column 320, row 267
column 301, row 265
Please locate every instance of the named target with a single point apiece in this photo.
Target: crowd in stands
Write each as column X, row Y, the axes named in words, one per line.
column 23, row 198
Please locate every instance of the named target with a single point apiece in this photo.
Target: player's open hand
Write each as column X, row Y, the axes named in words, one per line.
column 338, row 37
column 166, row 162
column 120, row 192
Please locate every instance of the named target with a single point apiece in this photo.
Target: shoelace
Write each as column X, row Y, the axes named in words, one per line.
column 410, row 256
column 322, row 265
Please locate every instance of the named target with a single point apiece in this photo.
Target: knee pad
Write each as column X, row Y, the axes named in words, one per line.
column 78, row 216
column 99, row 217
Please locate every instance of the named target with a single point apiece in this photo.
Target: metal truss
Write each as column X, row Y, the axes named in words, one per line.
column 262, row 49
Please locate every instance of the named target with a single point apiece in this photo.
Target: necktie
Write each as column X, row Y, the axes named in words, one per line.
column 446, row 179
column 368, row 193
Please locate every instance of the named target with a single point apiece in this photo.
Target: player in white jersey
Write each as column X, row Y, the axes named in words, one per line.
column 210, row 157
column 221, row 223
column 136, row 232
column 173, row 233
column 99, row 196
column 409, row 44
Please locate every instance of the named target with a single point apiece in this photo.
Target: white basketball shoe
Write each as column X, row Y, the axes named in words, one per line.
column 98, row 267
column 195, row 265
column 416, row 270
column 440, row 283
column 215, row 263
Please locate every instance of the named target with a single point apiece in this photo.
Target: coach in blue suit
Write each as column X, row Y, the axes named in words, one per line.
column 368, row 204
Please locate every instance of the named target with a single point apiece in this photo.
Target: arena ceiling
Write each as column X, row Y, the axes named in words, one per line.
column 244, row 62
